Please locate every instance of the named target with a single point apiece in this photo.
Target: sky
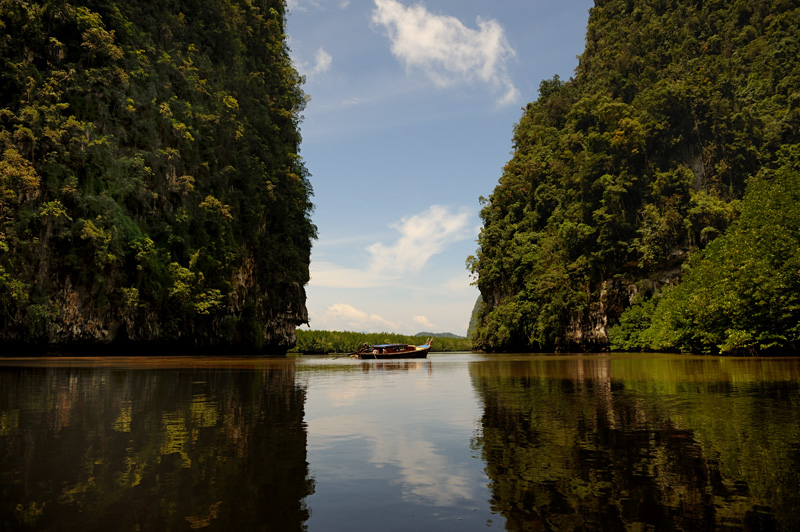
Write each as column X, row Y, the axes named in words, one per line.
column 411, row 112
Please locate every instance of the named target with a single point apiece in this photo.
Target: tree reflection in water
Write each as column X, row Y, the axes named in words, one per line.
column 601, row 443
column 147, row 448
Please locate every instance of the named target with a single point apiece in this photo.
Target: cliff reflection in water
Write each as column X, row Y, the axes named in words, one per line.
column 583, row 443
column 145, row 448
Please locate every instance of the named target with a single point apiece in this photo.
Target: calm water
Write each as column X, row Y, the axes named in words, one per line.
column 454, row 442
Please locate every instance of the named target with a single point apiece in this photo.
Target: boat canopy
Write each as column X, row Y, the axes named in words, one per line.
column 390, row 345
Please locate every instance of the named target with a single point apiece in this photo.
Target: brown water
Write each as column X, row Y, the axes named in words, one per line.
column 454, row 442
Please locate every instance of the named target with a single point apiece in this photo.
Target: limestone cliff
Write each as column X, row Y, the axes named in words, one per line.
column 620, row 173
column 151, row 192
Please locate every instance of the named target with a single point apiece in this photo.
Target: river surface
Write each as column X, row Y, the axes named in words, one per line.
column 454, row 442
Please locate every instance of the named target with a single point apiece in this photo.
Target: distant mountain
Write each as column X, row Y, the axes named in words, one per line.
column 440, row 335
column 475, row 316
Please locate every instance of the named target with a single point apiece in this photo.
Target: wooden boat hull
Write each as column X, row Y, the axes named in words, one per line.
column 393, row 351
column 418, row 353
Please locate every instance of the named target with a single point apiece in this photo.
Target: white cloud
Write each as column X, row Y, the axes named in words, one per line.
column 446, row 50
column 353, row 317
column 322, row 63
column 421, row 236
column 423, row 321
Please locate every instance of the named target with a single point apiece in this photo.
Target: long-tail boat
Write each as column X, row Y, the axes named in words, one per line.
column 384, row 351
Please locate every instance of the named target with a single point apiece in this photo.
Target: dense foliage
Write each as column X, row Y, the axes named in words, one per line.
column 322, row 342
column 742, row 293
column 621, row 173
column 150, row 184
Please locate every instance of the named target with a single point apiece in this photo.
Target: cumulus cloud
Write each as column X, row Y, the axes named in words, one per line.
column 322, row 61
column 420, row 237
column 321, row 64
column 353, row 317
column 423, row 321
column 446, row 50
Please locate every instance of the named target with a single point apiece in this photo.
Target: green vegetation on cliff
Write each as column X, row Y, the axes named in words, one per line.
column 741, row 294
column 150, row 183
column 639, row 162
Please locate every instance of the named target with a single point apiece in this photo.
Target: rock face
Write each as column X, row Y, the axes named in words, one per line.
column 151, row 193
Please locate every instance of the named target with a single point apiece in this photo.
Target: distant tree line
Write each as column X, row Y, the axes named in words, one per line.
column 321, row 342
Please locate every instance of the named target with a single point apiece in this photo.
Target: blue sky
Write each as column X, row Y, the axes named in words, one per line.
column 411, row 113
